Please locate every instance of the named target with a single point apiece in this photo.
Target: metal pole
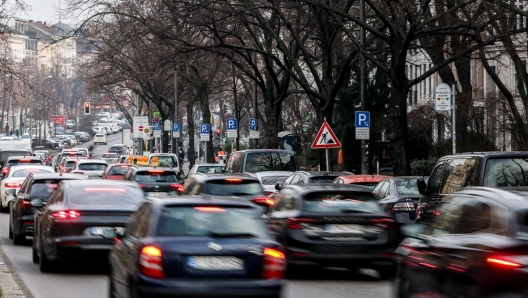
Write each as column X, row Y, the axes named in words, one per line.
column 175, row 140
column 453, row 116
column 327, row 164
column 255, row 111
column 363, row 68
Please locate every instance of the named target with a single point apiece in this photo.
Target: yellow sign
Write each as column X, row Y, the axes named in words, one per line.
column 155, row 161
column 146, row 130
column 131, row 159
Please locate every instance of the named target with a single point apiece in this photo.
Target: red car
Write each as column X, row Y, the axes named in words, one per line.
column 116, row 171
column 370, row 181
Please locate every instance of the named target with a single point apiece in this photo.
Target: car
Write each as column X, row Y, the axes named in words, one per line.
column 68, row 164
column 54, row 144
column 100, row 138
column 155, row 181
column 260, row 160
column 35, row 186
column 190, row 247
column 25, row 137
column 370, row 181
column 109, row 157
column 166, row 160
column 81, row 220
column 118, row 149
column 270, row 179
column 206, row 168
column 97, row 129
column 333, row 225
column 109, row 130
column 476, row 246
column 398, row 196
column 13, row 181
column 15, row 160
column 82, row 136
column 308, row 177
column 45, row 154
column 73, row 139
column 454, row 172
column 8, row 139
column 69, row 124
column 116, row 171
column 92, row 168
column 6, row 153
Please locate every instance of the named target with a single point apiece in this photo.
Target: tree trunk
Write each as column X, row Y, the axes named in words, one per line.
column 206, row 115
column 464, row 102
column 190, row 131
column 273, row 115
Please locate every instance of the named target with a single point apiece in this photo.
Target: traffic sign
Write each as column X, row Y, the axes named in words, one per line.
column 362, row 133
column 167, row 125
column 176, row 127
column 362, row 119
column 232, row 124
column 141, row 128
column 157, row 126
column 136, row 123
column 254, row 134
column 253, row 124
column 157, row 117
column 442, row 97
column 157, row 133
column 325, row 138
column 205, row 128
column 146, row 130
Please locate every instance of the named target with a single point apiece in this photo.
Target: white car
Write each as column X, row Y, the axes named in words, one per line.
column 90, row 167
column 15, row 178
column 109, row 157
column 100, row 139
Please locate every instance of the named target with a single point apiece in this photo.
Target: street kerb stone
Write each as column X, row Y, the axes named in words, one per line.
column 11, row 284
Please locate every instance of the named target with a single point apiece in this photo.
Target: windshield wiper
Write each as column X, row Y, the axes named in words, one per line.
column 353, row 211
column 231, row 235
column 241, row 194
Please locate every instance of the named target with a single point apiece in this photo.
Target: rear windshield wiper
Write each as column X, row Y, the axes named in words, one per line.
column 241, row 194
column 353, row 211
column 231, row 235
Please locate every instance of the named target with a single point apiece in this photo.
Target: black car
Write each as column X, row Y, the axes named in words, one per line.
column 333, row 225
column 477, row 246
column 82, row 136
column 398, row 196
column 192, row 247
column 454, row 172
column 17, row 160
column 36, row 186
column 308, row 177
column 155, row 181
column 81, row 220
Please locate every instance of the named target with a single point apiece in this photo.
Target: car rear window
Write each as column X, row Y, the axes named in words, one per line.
column 209, row 169
column 4, row 155
column 270, row 161
column 407, row 187
column 99, row 136
column 41, row 189
column 210, row 221
column 26, row 172
column 331, row 202
column 232, row 187
column 272, row 180
column 106, row 195
column 118, row 170
column 370, row 185
column 156, row 176
column 70, row 163
column 92, row 166
column 109, row 155
column 506, row 172
column 166, row 161
column 322, row 179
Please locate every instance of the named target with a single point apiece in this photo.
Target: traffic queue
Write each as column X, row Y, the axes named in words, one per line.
column 235, row 230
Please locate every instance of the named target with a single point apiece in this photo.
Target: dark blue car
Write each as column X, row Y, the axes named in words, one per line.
column 189, row 247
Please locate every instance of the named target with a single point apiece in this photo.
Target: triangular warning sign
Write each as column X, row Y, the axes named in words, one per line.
column 326, row 138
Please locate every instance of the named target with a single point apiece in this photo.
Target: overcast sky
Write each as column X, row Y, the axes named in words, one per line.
column 43, row 10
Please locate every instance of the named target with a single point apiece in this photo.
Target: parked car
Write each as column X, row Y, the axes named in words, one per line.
column 155, row 181
column 260, row 160
column 196, row 247
column 333, row 225
column 370, row 181
column 476, row 246
column 116, row 171
column 454, row 172
column 70, row 124
column 81, row 220
column 35, row 186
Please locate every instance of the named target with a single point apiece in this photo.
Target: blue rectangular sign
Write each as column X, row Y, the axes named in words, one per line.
column 232, row 124
column 157, row 126
column 253, row 124
column 362, row 119
column 175, row 127
column 205, row 128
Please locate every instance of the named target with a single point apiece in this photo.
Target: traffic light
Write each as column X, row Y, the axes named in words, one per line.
column 218, row 132
column 87, row 108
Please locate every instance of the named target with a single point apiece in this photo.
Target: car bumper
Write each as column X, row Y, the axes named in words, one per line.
column 27, row 225
column 148, row 287
column 79, row 247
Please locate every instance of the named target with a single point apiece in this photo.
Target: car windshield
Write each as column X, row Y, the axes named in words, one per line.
column 407, row 186
column 70, row 163
column 272, row 180
column 343, row 202
column 322, row 179
column 270, row 161
column 26, row 172
column 210, row 221
column 166, row 161
column 106, row 195
column 209, row 169
column 41, row 189
column 233, row 187
column 156, row 176
column 99, row 136
column 506, row 172
column 92, row 166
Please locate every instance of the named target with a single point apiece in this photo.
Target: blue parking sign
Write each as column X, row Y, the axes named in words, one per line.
column 205, row 128
column 175, row 127
column 253, row 124
column 362, row 119
column 232, row 124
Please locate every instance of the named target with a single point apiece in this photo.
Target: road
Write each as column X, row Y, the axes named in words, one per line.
column 90, row 281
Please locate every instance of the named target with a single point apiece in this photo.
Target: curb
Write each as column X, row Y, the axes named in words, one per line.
column 10, row 282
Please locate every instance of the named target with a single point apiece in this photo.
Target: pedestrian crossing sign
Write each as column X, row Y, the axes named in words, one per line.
column 325, row 138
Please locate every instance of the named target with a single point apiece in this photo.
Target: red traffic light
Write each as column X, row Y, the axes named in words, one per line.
column 218, row 131
column 87, row 108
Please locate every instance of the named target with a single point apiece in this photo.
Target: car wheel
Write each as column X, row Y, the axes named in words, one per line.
column 44, row 263
column 18, row 239
column 10, row 229
column 3, row 209
column 34, row 253
column 386, row 273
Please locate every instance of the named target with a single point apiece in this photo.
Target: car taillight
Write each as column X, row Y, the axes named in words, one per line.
column 177, row 187
column 273, row 264
column 26, row 203
column 77, row 172
column 404, row 206
column 68, row 214
column 141, row 185
column 5, row 170
column 503, row 262
column 64, row 170
column 385, row 223
column 264, row 201
column 150, row 263
column 12, row 185
column 296, row 223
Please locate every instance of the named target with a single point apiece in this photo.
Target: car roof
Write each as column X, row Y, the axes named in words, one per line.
column 318, row 187
column 14, row 150
column 45, row 176
column 217, row 176
column 272, row 173
column 323, row 173
column 100, row 182
column 192, row 200
column 33, row 166
column 24, row 157
column 144, row 169
column 487, row 154
column 363, row 178
column 92, row 161
column 512, row 197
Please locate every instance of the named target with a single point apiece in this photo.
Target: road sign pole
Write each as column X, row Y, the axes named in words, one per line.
column 327, row 163
column 453, row 117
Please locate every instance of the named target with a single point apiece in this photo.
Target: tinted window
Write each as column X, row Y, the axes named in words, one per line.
column 270, row 161
column 322, row 179
column 506, row 172
column 208, row 169
column 229, row 188
column 459, row 173
column 92, row 166
column 210, row 221
column 118, row 170
column 433, row 185
column 109, row 155
column 272, row 180
column 29, row 161
column 407, row 186
column 42, row 189
column 165, row 176
column 339, row 202
column 370, row 185
column 166, row 161
column 70, row 163
column 107, row 195
column 26, row 172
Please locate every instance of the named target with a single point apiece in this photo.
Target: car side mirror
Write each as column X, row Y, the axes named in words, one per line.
column 10, row 192
column 37, row 203
column 421, row 186
column 413, row 230
column 277, row 186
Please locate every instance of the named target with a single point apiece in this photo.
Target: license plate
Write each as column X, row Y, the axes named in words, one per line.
column 102, row 231
column 215, row 263
column 342, row 229
column 157, row 194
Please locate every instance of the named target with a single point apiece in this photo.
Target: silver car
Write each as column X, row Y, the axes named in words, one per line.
column 92, row 168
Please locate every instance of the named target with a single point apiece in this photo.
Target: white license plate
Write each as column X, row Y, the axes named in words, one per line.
column 102, row 231
column 215, row 263
column 157, row 194
column 344, row 229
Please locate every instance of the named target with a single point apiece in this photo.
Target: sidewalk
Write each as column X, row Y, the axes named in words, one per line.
column 10, row 283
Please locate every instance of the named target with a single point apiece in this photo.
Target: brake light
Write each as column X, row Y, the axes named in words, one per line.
column 177, row 187
column 274, row 264
column 385, row 223
column 296, row 223
column 142, row 185
column 503, row 263
column 404, row 206
column 264, row 201
column 233, row 180
column 5, row 170
column 13, row 185
column 26, row 203
column 156, row 171
column 209, row 209
column 68, row 214
column 64, row 170
column 24, row 160
column 150, row 263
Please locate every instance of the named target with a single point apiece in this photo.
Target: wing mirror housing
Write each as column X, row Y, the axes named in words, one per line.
column 37, row 203
column 10, row 192
column 422, row 185
column 278, row 187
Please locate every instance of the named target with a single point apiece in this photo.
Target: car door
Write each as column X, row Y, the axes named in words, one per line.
column 16, row 208
column 426, row 206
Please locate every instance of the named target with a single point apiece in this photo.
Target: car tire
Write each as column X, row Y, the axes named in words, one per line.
column 35, row 256
column 18, row 239
column 10, row 229
column 386, row 273
column 3, row 209
column 44, row 263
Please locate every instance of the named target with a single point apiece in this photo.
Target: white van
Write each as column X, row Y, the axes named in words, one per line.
column 18, row 145
column 113, row 125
